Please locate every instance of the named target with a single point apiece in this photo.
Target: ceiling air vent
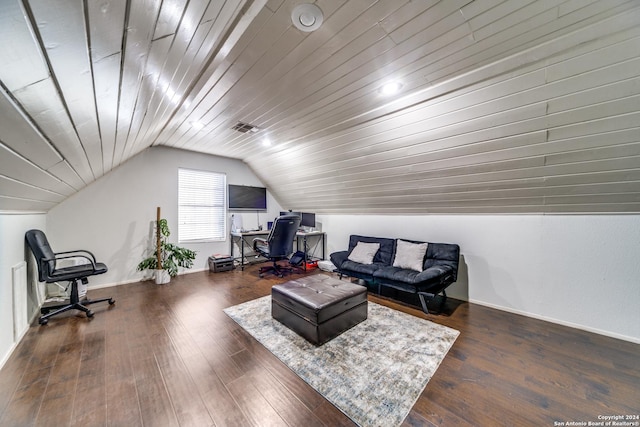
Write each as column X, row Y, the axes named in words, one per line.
column 245, row 127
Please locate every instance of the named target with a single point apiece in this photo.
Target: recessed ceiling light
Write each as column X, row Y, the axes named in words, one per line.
column 266, row 142
column 390, row 88
column 197, row 125
column 307, row 17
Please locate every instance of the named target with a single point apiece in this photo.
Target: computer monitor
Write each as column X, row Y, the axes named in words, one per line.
column 308, row 219
column 291, row 213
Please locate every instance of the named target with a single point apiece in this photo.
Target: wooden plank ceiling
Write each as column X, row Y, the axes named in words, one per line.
column 516, row 106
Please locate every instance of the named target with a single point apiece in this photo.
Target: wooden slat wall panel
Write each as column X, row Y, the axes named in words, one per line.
column 17, row 204
column 566, row 184
column 169, row 18
column 106, row 29
column 210, row 45
column 337, row 115
column 237, row 68
column 107, row 80
column 68, row 175
column 410, row 134
column 300, row 62
column 20, row 169
column 61, row 28
column 21, row 65
column 542, row 53
column 20, row 60
column 356, row 96
column 12, row 188
column 42, row 103
column 398, row 51
column 21, row 137
column 179, row 129
column 311, row 121
column 205, row 40
column 541, row 29
column 390, row 137
column 153, row 89
column 507, row 106
column 140, row 23
column 167, row 93
column 368, row 47
column 206, row 95
column 613, row 102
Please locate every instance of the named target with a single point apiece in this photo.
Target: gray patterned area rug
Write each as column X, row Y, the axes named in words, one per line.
column 373, row 373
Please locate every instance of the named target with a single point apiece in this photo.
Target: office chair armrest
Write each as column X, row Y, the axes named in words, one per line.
column 80, row 253
column 262, row 242
column 74, row 254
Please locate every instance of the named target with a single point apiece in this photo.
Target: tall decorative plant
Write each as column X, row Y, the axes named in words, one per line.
column 167, row 256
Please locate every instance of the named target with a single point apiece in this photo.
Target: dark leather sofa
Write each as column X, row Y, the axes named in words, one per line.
column 439, row 270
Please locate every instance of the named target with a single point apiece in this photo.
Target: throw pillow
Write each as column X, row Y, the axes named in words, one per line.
column 410, row 255
column 364, row 252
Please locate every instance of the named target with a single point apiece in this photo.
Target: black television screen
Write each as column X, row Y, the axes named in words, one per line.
column 244, row 197
column 308, row 219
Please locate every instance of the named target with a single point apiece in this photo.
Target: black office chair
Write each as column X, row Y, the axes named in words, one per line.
column 279, row 244
column 49, row 272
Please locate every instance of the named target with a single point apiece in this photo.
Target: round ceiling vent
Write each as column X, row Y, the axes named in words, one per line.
column 307, row 17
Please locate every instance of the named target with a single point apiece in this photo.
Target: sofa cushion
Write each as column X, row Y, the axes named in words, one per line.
column 385, row 253
column 364, row 252
column 410, row 255
column 420, row 280
column 363, row 269
column 395, row 274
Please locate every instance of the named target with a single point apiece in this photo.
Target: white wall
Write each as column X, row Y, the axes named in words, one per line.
column 113, row 216
column 577, row 270
column 12, row 252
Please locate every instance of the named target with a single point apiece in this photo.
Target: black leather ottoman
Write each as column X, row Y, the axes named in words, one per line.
column 319, row 307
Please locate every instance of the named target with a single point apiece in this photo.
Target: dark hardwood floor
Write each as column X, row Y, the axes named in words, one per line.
column 166, row 355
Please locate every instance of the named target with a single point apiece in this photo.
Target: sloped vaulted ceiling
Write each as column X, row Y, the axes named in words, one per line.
column 505, row 106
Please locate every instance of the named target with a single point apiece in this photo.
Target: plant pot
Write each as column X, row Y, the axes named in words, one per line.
column 162, row 277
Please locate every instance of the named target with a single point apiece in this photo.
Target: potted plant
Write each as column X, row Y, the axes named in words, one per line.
column 167, row 257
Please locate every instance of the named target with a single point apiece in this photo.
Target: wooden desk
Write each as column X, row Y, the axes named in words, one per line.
column 245, row 239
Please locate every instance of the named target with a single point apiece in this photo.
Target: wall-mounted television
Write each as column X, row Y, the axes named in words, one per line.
column 245, row 197
column 308, row 219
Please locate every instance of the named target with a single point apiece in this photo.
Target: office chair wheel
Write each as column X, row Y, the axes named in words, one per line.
column 43, row 321
column 89, row 313
column 111, row 301
column 261, row 275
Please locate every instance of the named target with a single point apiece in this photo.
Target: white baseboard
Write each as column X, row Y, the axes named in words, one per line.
column 36, row 314
column 8, row 355
column 558, row 321
column 143, row 279
column 17, row 341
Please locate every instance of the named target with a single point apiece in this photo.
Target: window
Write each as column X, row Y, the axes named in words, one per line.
column 201, row 205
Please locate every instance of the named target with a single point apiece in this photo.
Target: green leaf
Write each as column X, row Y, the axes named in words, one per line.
column 172, row 256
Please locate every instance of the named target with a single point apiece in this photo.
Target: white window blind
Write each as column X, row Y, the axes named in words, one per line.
column 201, row 205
